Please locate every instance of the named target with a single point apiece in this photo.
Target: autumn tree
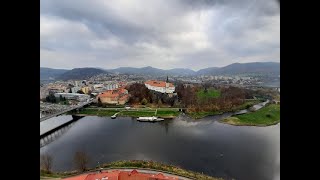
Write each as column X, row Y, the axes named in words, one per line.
column 46, row 162
column 81, row 160
column 144, row 101
column 80, row 92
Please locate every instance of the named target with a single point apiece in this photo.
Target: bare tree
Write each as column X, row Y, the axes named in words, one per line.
column 46, row 162
column 81, row 160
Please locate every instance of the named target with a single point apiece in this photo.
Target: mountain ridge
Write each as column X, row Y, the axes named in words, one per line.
column 231, row 69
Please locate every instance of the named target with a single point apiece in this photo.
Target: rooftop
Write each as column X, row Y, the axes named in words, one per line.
column 113, row 93
column 158, row 83
column 123, row 175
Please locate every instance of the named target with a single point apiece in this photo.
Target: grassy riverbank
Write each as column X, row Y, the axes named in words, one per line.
column 163, row 113
column 50, row 175
column 247, row 104
column 135, row 164
column 268, row 115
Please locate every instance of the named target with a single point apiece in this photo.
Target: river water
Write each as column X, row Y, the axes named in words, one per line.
column 205, row 145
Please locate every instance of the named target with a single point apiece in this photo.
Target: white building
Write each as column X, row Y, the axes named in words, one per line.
column 73, row 96
column 160, row 86
column 111, row 86
column 75, row 89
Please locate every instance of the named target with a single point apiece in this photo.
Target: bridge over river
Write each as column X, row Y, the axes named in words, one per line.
column 65, row 111
column 48, row 135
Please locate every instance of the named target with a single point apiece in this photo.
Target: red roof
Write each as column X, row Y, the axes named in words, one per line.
column 113, row 93
column 158, row 83
column 124, row 97
column 121, row 175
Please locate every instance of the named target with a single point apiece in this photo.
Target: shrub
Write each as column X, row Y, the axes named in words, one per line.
column 144, row 101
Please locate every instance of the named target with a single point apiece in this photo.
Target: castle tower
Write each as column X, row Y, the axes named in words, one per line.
column 167, row 84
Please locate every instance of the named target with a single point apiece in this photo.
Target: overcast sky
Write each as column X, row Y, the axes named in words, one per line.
column 160, row 33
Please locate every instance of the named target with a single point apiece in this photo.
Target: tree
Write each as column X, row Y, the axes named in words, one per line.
column 205, row 90
column 80, row 92
column 61, row 98
column 81, row 160
column 159, row 102
column 46, row 162
column 99, row 102
column 51, row 98
column 144, row 101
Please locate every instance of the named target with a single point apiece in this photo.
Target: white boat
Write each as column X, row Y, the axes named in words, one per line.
column 149, row 119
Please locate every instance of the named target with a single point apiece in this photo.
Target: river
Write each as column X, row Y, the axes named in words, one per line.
column 205, row 145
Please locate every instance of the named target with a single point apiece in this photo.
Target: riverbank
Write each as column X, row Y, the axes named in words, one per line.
column 246, row 105
column 266, row 116
column 134, row 164
column 162, row 113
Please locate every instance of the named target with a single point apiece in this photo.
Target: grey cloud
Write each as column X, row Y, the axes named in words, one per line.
column 115, row 33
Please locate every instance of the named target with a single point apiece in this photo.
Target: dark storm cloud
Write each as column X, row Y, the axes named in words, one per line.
column 159, row 33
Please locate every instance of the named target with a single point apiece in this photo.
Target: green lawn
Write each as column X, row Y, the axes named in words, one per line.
column 96, row 112
column 247, row 104
column 268, row 115
column 211, row 93
column 160, row 113
column 164, row 113
column 199, row 115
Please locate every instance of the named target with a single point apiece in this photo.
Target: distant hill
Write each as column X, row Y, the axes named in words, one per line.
column 50, row 74
column 181, row 72
column 241, row 68
column 152, row 71
column 256, row 67
column 80, row 73
column 236, row 68
column 232, row 69
column 141, row 71
column 206, row 71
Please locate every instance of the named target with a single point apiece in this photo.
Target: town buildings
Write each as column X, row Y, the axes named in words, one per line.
column 86, row 89
column 73, row 96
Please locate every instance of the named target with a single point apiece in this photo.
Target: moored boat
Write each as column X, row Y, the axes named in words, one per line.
column 149, row 119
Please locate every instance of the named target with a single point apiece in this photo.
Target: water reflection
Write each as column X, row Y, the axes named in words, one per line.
column 55, row 135
column 201, row 145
